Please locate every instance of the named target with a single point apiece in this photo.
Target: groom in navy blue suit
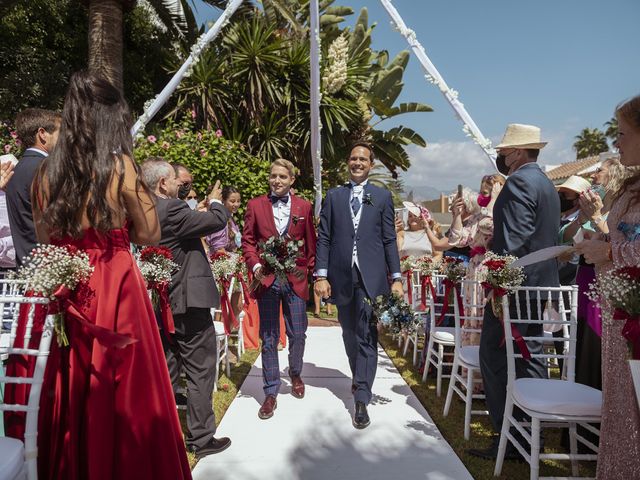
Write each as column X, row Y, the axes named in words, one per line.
column 356, row 259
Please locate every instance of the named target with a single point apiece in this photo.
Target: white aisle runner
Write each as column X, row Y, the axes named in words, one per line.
column 313, row 438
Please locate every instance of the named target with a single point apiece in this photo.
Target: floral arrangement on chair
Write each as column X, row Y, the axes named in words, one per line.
column 394, row 313
column 225, row 266
column 56, row 272
column 426, row 265
column 156, row 265
column 453, row 268
column 501, row 278
column 620, row 288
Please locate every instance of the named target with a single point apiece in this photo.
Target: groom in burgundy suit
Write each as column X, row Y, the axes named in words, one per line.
column 280, row 214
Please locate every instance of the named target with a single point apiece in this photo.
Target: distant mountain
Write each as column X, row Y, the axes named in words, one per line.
column 421, row 193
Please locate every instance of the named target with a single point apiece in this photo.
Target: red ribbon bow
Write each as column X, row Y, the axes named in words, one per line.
column 409, row 274
column 104, row 336
column 448, row 286
column 424, row 282
column 162, row 289
column 228, row 317
column 477, row 251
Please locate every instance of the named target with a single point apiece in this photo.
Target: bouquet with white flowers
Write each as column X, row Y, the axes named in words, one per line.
column 156, row 265
column 54, row 272
column 620, row 289
column 501, row 278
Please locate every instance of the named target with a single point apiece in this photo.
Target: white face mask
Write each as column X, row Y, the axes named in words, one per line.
column 238, row 240
column 193, row 203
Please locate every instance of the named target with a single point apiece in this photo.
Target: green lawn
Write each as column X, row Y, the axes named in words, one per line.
column 452, row 426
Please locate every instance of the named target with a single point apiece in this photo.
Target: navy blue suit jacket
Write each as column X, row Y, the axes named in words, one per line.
column 526, row 218
column 19, row 204
column 376, row 241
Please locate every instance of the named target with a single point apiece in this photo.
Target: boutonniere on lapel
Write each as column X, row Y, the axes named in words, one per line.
column 295, row 219
column 367, row 199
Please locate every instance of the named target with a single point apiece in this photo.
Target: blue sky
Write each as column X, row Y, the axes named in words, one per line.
column 560, row 64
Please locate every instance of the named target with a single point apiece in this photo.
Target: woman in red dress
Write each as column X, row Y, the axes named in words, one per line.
column 106, row 412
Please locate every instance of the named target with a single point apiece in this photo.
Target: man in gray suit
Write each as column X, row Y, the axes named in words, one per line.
column 192, row 293
column 526, row 218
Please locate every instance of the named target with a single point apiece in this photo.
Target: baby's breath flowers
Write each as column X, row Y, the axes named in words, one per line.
column 620, row 289
column 54, row 272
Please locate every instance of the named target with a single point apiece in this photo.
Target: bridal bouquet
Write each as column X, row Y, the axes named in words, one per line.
column 620, row 289
column 55, row 272
column 394, row 313
column 501, row 278
column 279, row 255
column 223, row 264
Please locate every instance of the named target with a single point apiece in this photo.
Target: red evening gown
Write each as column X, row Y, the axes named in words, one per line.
column 109, row 413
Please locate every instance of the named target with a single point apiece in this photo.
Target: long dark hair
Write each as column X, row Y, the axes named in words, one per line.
column 630, row 111
column 94, row 136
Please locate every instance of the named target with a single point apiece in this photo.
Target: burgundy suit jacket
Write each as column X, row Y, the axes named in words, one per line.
column 259, row 225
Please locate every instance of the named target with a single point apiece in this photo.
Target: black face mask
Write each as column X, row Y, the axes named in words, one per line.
column 183, row 191
column 565, row 203
column 501, row 165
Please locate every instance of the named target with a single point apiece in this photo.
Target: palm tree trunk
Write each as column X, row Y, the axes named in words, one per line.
column 105, row 39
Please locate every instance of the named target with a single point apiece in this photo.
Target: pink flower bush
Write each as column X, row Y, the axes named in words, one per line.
column 151, row 139
column 166, row 145
column 203, row 152
column 218, row 133
column 14, row 134
column 193, row 114
column 7, row 148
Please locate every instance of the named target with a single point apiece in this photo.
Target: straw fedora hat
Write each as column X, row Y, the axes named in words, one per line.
column 521, row 136
column 575, row 184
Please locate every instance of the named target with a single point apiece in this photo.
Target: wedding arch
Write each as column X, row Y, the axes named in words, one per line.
column 432, row 75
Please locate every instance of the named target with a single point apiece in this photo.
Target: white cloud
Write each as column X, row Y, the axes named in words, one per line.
column 443, row 165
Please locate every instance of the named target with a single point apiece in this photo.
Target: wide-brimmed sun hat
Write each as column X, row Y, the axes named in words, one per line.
column 418, row 210
column 521, row 136
column 575, row 184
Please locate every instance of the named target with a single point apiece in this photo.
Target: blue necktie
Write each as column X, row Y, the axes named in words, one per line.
column 355, row 204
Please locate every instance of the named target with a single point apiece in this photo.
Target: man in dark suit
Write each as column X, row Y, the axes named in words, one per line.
column 356, row 256
column 192, row 294
column 280, row 214
column 526, row 218
column 38, row 130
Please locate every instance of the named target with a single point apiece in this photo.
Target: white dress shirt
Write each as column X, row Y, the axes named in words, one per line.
column 357, row 191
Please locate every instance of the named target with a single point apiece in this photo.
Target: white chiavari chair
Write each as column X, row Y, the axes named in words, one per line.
column 18, row 460
column 547, row 402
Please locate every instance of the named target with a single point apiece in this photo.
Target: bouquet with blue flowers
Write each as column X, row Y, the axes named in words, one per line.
column 394, row 313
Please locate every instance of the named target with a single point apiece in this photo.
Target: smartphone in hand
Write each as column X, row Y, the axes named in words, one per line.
column 459, row 191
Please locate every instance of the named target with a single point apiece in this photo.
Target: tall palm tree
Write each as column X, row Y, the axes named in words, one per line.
column 590, row 141
column 611, row 129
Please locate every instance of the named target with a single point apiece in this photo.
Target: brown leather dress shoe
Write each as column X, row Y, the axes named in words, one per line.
column 267, row 408
column 297, row 387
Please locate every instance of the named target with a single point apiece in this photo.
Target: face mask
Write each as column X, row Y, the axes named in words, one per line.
column 501, row 165
column 238, row 240
column 193, row 203
column 183, row 191
column 599, row 189
column 565, row 203
column 484, row 200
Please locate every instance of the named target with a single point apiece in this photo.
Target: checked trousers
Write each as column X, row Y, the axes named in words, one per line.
column 296, row 322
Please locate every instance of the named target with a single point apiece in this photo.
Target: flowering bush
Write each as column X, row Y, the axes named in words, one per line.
column 395, row 313
column 209, row 156
column 53, row 272
column 453, row 268
column 620, row 289
column 9, row 140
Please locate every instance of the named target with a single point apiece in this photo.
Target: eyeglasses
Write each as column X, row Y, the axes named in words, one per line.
column 186, row 185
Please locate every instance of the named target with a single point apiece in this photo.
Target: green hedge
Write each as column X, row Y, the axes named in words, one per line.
column 209, row 157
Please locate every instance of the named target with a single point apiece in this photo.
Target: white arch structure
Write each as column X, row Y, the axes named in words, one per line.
column 431, row 74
